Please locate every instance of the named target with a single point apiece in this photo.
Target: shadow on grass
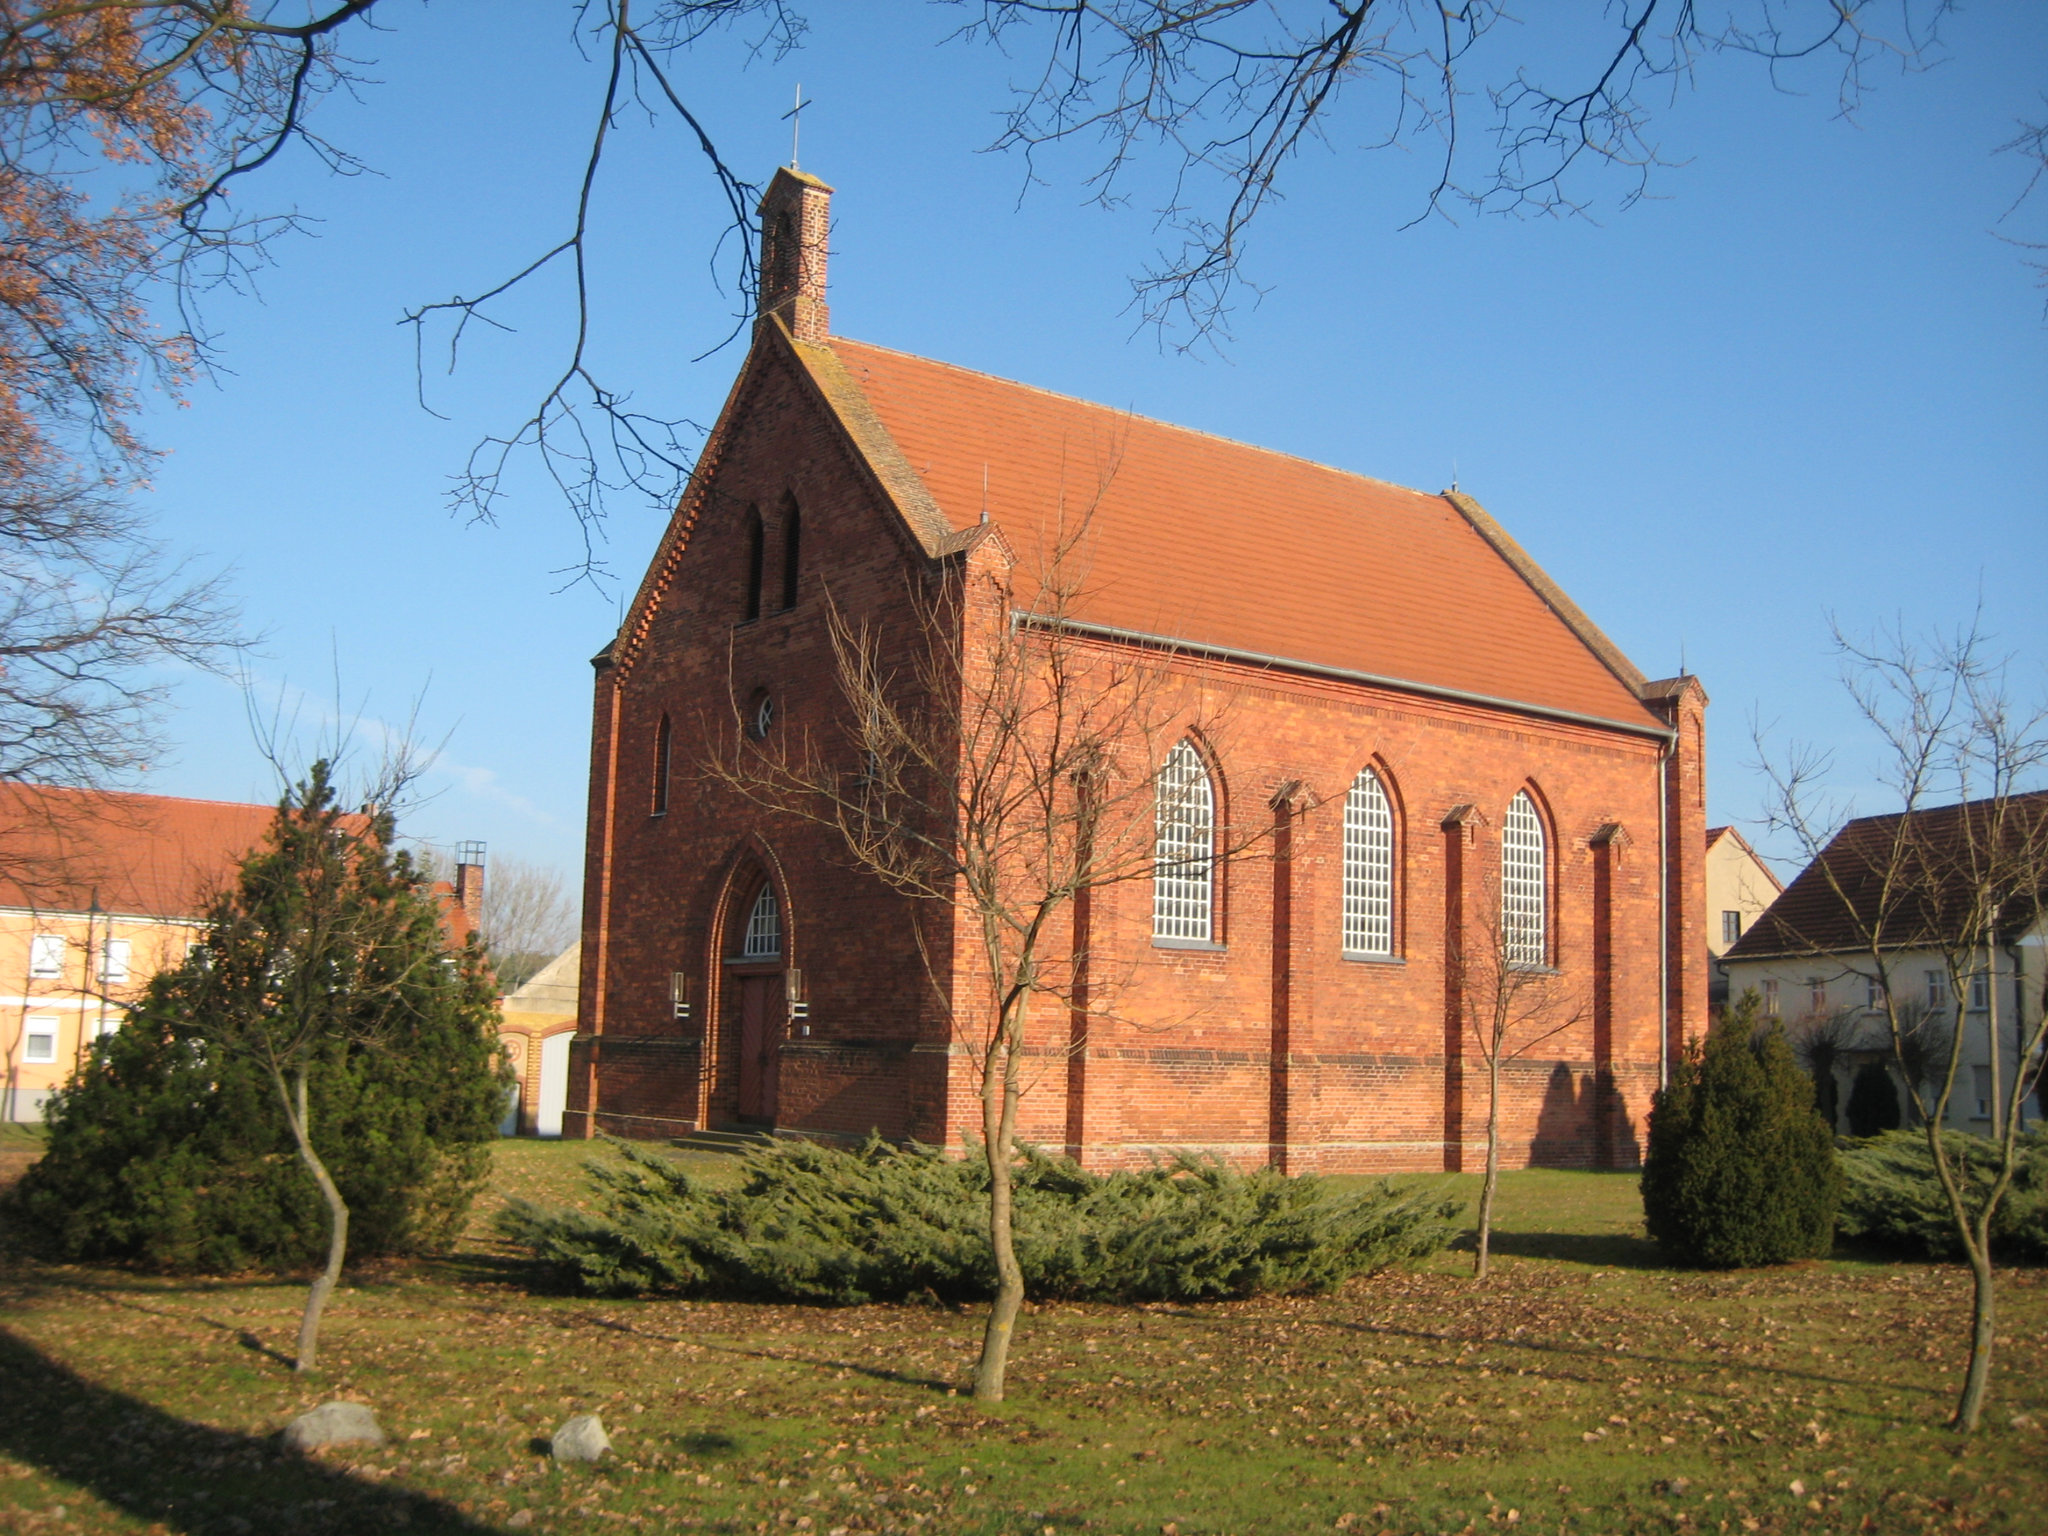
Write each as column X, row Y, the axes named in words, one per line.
column 1608, row 1250
column 188, row 1477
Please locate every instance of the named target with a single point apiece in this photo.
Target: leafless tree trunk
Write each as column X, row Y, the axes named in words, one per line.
column 1511, row 1007
column 1958, row 870
column 296, row 1115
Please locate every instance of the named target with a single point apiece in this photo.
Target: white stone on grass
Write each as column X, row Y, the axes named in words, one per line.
column 333, row 1424
column 580, row 1439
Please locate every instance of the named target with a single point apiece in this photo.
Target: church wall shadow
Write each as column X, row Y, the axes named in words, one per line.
column 1583, row 1123
column 188, row 1477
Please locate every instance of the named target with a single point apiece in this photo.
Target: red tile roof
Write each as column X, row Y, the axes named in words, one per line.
column 138, row 855
column 1840, row 897
column 1217, row 544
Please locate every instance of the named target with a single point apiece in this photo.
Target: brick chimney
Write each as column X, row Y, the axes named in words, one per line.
column 796, row 224
column 469, row 885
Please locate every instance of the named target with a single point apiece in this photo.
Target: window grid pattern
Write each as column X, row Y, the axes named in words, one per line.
column 1524, row 932
column 1184, row 848
column 764, row 927
column 1368, row 868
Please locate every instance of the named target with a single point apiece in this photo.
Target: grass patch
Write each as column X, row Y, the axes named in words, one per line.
column 1583, row 1389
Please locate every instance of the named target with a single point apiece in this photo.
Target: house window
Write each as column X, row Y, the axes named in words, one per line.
column 1522, row 917
column 764, row 928
column 757, row 541
column 1771, row 998
column 1731, row 927
column 46, row 955
column 1816, row 995
column 1937, row 991
column 662, row 747
column 1983, row 1085
column 1184, row 848
column 1368, row 868
column 792, row 545
column 1980, row 992
column 114, row 960
column 41, row 1040
column 1873, row 994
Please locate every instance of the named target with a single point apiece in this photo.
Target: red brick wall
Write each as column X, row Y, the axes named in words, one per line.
column 662, row 889
column 1258, row 1050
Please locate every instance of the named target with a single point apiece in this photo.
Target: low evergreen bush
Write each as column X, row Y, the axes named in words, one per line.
column 810, row 1223
column 1894, row 1200
column 1740, row 1169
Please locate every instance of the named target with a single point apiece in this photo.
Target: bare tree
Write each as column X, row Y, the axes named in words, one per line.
column 529, row 918
column 1006, row 770
column 1514, row 1002
column 93, row 618
column 1819, row 1043
column 1958, row 871
column 325, row 938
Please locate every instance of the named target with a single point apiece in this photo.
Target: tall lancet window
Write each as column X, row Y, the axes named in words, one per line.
column 663, row 746
column 764, row 928
column 1368, row 868
column 757, row 551
column 1184, row 850
column 792, row 549
column 1524, row 914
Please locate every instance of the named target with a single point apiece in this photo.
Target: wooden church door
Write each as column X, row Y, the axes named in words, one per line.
column 759, row 1020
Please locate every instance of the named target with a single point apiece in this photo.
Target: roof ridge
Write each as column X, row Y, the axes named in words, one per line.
column 133, row 794
column 1134, row 415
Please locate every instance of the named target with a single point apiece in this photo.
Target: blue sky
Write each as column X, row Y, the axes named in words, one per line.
column 1805, row 380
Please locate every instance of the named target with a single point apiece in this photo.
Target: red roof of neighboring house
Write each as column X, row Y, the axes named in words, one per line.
column 1910, row 878
column 138, row 855
column 1218, row 544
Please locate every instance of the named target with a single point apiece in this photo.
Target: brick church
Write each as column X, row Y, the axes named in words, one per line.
column 1431, row 730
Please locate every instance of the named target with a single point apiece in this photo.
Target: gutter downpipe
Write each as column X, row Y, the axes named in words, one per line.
column 1664, row 751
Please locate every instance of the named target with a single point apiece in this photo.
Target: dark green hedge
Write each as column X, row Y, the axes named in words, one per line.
column 883, row 1223
column 1740, row 1169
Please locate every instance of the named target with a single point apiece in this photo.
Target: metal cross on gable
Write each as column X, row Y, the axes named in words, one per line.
column 794, row 117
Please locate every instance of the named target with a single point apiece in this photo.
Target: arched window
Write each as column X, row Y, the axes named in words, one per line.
column 1368, row 868
column 1524, row 933
column 661, row 767
column 1184, row 849
column 756, row 550
column 764, row 928
column 792, row 547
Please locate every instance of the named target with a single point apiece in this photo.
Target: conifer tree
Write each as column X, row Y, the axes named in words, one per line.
column 1740, row 1169
column 326, row 1056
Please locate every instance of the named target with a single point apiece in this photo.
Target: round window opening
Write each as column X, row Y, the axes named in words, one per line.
column 761, row 718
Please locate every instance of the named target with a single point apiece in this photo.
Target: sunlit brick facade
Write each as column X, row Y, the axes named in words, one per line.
column 1331, row 624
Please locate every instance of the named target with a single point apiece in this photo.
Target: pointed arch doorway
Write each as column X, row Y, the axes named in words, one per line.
column 758, row 1012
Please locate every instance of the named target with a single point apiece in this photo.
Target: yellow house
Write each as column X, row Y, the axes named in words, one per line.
column 98, row 892
column 1739, row 887
column 538, row 1022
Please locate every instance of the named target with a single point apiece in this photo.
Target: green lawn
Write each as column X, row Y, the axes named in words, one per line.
column 1584, row 1389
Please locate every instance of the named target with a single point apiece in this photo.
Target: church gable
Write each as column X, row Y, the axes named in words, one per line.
column 781, row 480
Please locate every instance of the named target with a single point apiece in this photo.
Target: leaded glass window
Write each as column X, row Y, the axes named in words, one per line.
column 1368, row 868
column 1184, row 849
column 764, row 927
column 1522, row 911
